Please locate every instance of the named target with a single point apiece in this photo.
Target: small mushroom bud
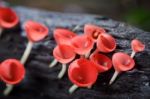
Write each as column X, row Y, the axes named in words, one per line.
column 137, row 46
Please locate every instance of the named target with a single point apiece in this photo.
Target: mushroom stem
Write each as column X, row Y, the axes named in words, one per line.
column 62, row 72
column 72, row 88
column 1, row 31
column 89, row 87
column 96, row 50
column 87, row 54
column 133, row 54
column 114, row 77
column 8, row 89
column 26, row 52
column 75, row 28
column 53, row 63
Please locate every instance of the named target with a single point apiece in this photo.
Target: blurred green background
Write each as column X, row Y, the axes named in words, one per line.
column 135, row 12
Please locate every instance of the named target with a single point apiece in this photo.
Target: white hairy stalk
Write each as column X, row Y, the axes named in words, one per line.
column 114, row 77
column 26, row 52
column 53, row 63
column 73, row 88
column 8, row 89
column 62, row 72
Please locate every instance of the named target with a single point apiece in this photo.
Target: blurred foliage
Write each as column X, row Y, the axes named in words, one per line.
column 134, row 12
column 139, row 17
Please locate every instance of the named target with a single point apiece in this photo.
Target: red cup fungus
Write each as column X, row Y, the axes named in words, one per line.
column 8, row 18
column 137, row 46
column 83, row 73
column 11, row 72
column 102, row 62
column 106, row 43
column 35, row 32
column 64, row 54
column 121, row 62
column 93, row 31
column 63, row 36
column 82, row 45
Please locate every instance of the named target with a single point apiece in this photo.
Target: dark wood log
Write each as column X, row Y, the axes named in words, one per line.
column 41, row 82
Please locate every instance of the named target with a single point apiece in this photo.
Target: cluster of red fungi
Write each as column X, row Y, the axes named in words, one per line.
column 85, row 60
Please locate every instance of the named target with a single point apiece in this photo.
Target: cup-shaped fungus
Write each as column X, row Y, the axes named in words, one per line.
column 106, row 43
column 11, row 72
column 82, row 73
column 8, row 18
column 93, row 31
column 137, row 46
column 64, row 54
column 35, row 32
column 102, row 62
column 121, row 62
column 82, row 45
column 63, row 36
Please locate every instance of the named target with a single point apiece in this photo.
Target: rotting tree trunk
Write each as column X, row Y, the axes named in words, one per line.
column 41, row 82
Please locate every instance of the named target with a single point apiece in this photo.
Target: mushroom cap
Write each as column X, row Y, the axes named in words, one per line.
column 12, row 71
column 82, row 72
column 106, row 43
column 122, row 61
column 137, row 45
column 93, row 31
column 64, row 53
column 82, row 44
column 8, row 18
column 63, row 36
column 35, row 31
column 102, row 62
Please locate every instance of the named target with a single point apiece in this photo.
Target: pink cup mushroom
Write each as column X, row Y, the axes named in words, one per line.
column 93, row 31
column 11, row 72
column 35, row 32
column 8, row 18
column 64, row 54
column 121, row 62
column 62, row 36
column 102, row 62
column 82, row 45
column 106, row 43
column 137, row 46
column 83, row 73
